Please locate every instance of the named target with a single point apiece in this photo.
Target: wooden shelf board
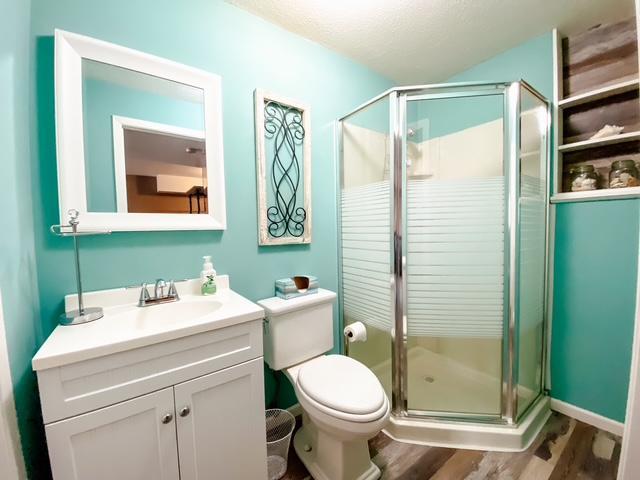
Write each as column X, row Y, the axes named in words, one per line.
column 599, row 142
column 600, row 93
column 595, row 195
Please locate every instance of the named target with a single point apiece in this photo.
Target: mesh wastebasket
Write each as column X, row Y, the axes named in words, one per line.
column 280, row 425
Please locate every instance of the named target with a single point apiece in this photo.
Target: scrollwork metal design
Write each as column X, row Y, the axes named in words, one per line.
column 283, row 126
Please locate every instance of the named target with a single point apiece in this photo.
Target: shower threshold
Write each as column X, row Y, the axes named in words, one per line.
column 439, row 383
column 473, row 436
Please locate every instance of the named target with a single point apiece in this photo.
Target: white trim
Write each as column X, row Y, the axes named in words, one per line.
column 261, row 168
column 586, row 416
column 599, row 142
column 553, row 184
column 557, row 118
column 119, row 124
column 599, row 93
column 70, row 49
column 629, row 466
column 630, row 463
column 597, row 195
column 11, row 461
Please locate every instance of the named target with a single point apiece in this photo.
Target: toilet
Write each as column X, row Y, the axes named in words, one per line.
column 343, row 403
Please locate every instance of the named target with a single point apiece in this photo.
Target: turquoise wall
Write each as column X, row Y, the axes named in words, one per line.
column 531, row 61
column 596, row 261
column 596, row 255
column 248, row 53
column 18, row 283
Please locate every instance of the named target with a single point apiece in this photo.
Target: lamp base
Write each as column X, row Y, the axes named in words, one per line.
column 74, row 317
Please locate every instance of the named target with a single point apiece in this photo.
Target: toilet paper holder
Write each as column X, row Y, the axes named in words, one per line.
column 354, row 332
column 345, row 342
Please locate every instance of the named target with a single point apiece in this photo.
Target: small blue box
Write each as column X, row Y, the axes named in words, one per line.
column 297, row 286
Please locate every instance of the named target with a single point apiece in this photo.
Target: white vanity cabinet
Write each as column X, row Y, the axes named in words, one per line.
column 213, row 426
column 220, row 424
column 132, row 439
column 187, row 408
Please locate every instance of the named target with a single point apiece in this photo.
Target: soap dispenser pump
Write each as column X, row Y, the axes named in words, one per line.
column 207, row 277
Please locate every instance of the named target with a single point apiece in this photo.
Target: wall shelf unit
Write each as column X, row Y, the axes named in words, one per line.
column 597, row 84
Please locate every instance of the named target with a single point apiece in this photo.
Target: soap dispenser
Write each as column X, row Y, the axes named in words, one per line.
column 207, row 277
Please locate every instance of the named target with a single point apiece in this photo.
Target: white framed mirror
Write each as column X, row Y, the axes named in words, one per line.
column 139, row 139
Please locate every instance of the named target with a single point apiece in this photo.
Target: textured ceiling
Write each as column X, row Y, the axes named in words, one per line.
column 420, row 41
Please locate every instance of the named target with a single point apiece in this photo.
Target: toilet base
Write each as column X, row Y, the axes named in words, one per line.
column 329, row 458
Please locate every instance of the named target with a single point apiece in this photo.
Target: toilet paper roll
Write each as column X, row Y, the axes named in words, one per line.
column 356, row 332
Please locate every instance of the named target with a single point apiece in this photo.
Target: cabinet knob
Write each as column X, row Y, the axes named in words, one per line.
column 167, row 418
column 184, row 411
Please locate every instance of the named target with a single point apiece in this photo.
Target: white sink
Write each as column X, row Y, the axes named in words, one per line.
column 126, row 326
column 186, row 310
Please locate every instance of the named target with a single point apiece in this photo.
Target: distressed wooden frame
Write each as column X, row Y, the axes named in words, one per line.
column 264, row 237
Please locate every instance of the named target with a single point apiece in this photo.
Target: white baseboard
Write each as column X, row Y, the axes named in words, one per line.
column 295, row 409
column 586, row 416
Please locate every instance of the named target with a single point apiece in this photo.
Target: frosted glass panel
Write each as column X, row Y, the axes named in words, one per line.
column 366, row 235
column 455, row 254
column 532, row 225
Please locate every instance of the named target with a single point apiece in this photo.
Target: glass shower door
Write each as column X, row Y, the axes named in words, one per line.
column 365, row 234
column 455, row 253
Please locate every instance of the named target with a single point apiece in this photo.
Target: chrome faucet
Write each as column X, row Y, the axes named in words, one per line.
column 159, row 295
column 159, row 287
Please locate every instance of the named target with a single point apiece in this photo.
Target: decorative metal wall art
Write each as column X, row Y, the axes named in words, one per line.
column 283, row 163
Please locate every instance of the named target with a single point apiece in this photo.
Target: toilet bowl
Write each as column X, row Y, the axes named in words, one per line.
column 343, row 402
column 343, row 406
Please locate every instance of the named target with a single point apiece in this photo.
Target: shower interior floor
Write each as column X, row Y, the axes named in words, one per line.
column 435, row 382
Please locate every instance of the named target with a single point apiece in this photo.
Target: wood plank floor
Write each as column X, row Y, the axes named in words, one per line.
column 565, row 449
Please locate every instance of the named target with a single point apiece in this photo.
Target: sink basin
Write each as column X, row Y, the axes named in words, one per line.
column 126, row 326
column 183, row 311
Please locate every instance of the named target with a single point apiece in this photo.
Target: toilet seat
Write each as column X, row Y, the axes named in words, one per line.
column 343, row 388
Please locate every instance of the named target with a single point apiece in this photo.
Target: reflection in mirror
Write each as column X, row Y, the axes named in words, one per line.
column 144, row 142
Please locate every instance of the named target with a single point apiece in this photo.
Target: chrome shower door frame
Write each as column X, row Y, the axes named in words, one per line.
column 398, row 100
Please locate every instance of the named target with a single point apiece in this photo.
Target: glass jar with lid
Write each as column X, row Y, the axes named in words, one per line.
column 583, row 178
column 624, row 173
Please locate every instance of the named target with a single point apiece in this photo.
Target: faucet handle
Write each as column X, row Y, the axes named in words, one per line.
column 173, row 291
column 144, row 295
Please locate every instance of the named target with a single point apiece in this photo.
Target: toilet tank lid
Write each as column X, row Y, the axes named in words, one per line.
column 278, row 306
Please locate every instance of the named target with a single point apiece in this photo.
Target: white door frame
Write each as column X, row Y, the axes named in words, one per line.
column 629, row 467
column 11, row 461
column 630, row 463
column 119, row 125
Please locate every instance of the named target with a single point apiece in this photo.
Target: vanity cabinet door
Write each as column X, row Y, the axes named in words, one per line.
column 132, row 440
column 221, row 426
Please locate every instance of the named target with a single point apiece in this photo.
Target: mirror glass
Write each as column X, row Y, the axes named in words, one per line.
column 144, row 142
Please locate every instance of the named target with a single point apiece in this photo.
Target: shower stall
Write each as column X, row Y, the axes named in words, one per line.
column 443, row 202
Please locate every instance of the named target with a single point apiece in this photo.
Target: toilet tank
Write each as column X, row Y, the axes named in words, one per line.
column 298, row 329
